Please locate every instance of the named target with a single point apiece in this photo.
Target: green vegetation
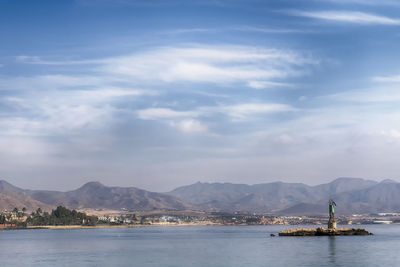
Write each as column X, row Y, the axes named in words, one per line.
column 61, row 216
column 3, row 219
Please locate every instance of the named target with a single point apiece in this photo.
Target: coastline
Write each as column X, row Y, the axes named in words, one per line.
column 71, row 227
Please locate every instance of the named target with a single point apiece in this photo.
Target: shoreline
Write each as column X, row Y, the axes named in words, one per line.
column 71, row 227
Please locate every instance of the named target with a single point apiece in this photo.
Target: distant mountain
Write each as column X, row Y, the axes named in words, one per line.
column 353, row 195
column 7, row 187
column 305, row 209
column 382, row 197
column 13, row 197
column 343, row 185
column 90, row 195
column 96, row 195
column 239, row 197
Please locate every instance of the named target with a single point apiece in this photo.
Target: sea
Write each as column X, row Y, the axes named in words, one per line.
column 193, row 246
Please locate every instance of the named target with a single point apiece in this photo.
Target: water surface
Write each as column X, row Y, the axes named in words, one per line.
column 197, row 246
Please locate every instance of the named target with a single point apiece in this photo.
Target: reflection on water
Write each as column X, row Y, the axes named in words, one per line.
column 332, row 250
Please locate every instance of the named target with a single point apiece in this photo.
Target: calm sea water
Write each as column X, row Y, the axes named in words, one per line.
column 197, row 246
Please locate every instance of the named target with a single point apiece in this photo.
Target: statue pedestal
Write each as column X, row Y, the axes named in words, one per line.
column 332, row 224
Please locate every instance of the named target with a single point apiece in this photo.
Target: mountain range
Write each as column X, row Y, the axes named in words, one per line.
column 352, row 195
column 92, row 195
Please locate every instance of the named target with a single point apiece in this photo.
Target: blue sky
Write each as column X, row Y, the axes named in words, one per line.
column 158, row 94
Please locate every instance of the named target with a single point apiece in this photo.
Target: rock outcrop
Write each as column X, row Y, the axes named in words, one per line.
column 320, row 231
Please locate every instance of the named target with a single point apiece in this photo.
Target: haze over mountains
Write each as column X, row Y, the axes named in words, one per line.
column 352, row 195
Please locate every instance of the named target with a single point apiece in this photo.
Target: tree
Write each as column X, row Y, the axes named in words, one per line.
column 38, row 211
column 2, row 219
column 62, row 216
column 23, row 209
column 15, row 210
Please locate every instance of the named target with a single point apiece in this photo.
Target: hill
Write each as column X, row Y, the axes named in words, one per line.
column 354, row 195
column 91, row 195
column 11, row 197
column 98, row 196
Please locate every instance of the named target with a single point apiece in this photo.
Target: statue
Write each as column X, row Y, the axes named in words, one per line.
column 332, row 222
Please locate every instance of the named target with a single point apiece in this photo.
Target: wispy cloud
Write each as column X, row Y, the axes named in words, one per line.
column 387, row 79
column 270, row 30
column 248, row 29
column 192, row 30
column 245, row 110
column 348, row 16
column 62, row 106
column 40, row 61
column 267, row 84
column 45, row 82
column 164, row 113
column 222, row 65
column 194, row 121
column 237, row 112
column 79, row 102
column 365, row 2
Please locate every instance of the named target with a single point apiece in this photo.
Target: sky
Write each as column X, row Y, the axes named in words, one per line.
column 163, row 93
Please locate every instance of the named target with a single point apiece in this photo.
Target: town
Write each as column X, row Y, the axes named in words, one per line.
column 61, row 216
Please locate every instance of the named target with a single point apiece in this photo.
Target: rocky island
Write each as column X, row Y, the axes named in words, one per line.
column 331, row 231
column 320, row 231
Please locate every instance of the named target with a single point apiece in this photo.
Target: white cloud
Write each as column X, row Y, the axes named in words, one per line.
column 349, row 16
column 302, row 98
column 65, row 117
column 108, row 93
column 285, row 139
column 56, row 110
column 242, row 111
column 236, row 112
column 221, row 65
column 40, row 61
column 163, row 113
column 368, row 95
column 69, row 103
column 190, row 126
column 388, row 79
column 270, row 30
column 267, row 84
column 255, row 67
column 192, row 30
column 393, row 135
column 49, row 119
column 366, row 2
column 51, row 82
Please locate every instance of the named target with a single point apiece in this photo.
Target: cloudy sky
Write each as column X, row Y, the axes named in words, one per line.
column 157, row 94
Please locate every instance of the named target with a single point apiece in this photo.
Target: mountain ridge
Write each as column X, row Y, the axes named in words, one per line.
column 90, row 195
column 282, row 198
column 353, row 195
